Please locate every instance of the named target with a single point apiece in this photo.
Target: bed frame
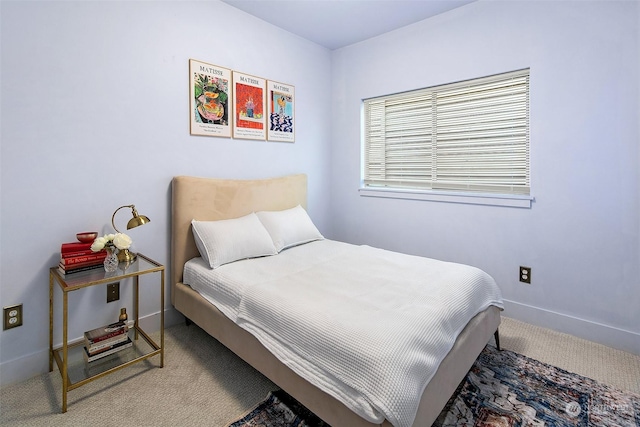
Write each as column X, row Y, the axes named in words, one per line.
column 216, row 199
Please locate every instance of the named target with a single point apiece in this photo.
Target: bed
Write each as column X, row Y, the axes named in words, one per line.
column 207, row 199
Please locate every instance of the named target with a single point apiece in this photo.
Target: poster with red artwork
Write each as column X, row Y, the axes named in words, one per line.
column 249, row 107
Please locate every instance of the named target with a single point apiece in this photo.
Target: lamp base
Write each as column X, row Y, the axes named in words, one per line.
column 124, row 255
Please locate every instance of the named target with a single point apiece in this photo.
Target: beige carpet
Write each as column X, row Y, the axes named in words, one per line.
column 610, row 366
column 203, row 384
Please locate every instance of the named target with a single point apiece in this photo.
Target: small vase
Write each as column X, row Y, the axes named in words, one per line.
column 111, row 261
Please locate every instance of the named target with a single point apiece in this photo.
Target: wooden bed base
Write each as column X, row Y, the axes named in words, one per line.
column 215, row 199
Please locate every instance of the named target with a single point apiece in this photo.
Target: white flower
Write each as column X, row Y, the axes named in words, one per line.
column 122, row 241
column 119, row 240
column 98, row 244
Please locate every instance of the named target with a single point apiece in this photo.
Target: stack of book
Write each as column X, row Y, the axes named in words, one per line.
column 77, row 256
column 106, row 340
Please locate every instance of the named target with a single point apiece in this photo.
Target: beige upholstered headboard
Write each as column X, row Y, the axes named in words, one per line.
column 209, row 199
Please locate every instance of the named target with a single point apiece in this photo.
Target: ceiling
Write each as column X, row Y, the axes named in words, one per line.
column 338, row 23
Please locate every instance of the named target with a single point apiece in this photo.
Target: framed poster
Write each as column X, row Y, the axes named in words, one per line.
column 210, row 103
column 281, row 98
column 250, row 100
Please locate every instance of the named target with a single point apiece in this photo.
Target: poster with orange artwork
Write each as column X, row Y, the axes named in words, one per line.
column 249, row 106
column 210, row 100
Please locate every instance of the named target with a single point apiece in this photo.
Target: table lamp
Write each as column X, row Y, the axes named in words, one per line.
column 124, row 255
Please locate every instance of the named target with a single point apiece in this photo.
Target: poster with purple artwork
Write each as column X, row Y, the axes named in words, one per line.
column 281, row 122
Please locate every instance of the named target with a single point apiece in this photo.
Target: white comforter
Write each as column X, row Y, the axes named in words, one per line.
column 368, row 326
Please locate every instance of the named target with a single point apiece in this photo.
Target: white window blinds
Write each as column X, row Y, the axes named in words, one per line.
column 467, row 136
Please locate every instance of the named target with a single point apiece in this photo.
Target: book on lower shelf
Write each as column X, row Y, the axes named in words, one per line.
column 97, row 347
column 108, row 351
column 105, row 332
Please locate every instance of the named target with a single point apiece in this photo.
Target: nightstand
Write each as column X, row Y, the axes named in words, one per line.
column 74, row 370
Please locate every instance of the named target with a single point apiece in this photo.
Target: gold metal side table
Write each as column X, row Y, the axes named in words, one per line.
column 74, row 370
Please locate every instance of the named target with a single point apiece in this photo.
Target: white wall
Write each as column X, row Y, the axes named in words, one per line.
column 95, row 116
column 581, row 237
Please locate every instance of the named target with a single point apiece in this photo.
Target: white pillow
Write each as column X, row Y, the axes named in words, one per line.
column 289, row 227
column 229, row 240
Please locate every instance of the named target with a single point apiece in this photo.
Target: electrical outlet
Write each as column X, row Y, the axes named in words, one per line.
column 525, row 274
column 113, row 292
column 12, row 316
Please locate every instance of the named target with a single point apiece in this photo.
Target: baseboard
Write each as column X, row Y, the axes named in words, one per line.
column 171, row 317
column 23, row 368
column 592, row 331
column 37, row 363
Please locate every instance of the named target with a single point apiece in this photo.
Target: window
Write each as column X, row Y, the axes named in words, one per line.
column 470, row 137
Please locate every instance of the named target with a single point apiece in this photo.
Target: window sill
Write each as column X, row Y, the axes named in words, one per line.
column 506, row 200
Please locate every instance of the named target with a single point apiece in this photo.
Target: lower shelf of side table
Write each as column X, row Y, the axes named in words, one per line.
column 80, row 372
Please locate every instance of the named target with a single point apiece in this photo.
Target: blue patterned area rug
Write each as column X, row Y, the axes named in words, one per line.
column 502, row 388
column 279, row 410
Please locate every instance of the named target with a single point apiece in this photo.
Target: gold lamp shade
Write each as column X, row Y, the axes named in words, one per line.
column 137, row 219
column 124, row 255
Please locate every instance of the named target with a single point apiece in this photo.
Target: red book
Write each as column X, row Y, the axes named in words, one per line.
column 64, row 271
column 81, row 264
column 76, row 253
column 74, row 247
column 83, row 259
